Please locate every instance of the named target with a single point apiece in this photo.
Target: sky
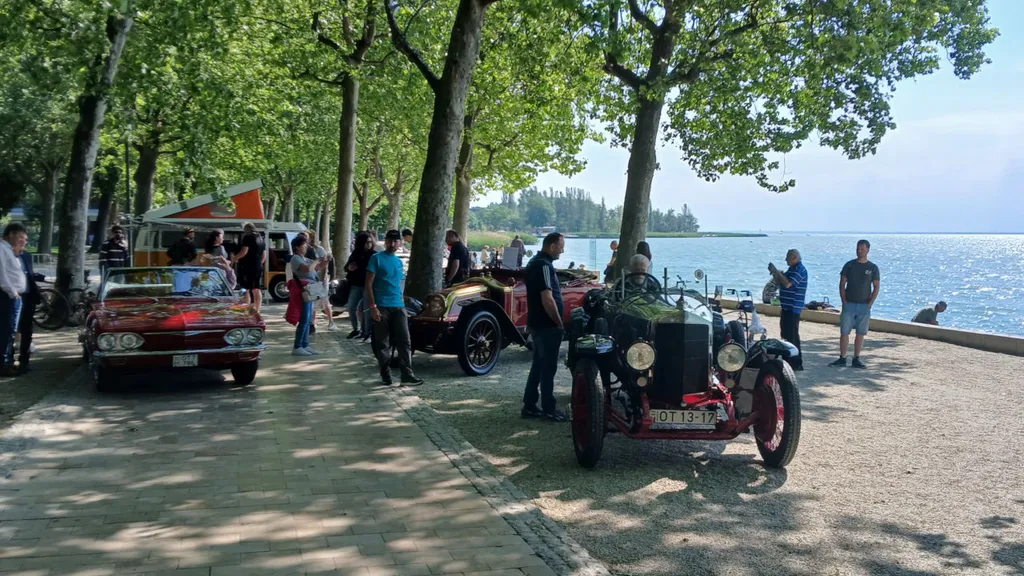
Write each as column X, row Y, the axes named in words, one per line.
column 955, row 163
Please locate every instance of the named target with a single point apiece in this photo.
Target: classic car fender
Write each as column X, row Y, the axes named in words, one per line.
column 509, row 333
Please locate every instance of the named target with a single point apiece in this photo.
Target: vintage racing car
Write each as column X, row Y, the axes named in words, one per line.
column 654, row 367
column 477, row 318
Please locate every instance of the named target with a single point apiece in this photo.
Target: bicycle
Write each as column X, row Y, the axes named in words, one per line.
column 56, row 310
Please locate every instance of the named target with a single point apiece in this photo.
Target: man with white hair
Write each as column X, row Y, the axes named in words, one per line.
column 639, row 264
column 792, row 293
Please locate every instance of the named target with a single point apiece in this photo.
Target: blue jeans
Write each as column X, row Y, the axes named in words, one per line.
column 355, row 301
column 546, row 342
column 302, row 328
column 854, row 316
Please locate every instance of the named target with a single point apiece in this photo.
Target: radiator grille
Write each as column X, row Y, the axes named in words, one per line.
column 683, row 361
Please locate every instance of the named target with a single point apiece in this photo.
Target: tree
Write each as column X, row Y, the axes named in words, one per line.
column 747, row 79
column 539, row 211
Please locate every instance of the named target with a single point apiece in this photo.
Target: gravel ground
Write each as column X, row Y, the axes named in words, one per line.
column 911, row 467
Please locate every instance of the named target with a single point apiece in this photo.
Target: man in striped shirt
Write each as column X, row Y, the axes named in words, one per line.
column 792, row 293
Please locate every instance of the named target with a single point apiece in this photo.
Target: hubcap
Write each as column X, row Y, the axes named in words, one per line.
column 772, row 410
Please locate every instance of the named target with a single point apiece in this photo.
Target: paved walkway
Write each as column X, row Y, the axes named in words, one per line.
column 312, row 470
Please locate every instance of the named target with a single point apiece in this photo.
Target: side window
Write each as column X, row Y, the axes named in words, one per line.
column 169, row 237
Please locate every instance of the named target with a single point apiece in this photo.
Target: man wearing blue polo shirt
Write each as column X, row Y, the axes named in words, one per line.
column 792, row 293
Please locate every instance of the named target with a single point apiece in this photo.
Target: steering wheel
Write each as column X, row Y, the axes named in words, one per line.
column 639, row 285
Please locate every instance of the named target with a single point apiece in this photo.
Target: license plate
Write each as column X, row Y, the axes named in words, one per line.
column 685, row 418
column 185, row 361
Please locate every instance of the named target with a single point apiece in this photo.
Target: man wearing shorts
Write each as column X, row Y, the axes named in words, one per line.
column 858, row 289
column 250, row 259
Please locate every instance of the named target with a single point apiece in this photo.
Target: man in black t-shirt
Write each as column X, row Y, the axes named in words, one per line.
column 459, row 262
column 544, row 313
column 250, row 259
column 858, row 289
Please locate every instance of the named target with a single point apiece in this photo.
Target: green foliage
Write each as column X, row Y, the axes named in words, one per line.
column 477, row 240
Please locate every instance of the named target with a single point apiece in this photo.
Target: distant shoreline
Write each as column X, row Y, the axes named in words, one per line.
column 676, row 235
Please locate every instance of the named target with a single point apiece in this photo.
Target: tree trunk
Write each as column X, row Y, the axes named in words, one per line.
column 443, row 148
column 48, row 193
column 145, row 171
column 346, row 167
column 464, row 180
column 92, row 106
column 640, row 173
column 289, row 203
column 272, row 209
column 104, row 218
column 315, row 226
column 364, row 205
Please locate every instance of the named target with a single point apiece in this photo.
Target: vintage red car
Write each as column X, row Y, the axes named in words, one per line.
column 165, row 318
column 479, row 317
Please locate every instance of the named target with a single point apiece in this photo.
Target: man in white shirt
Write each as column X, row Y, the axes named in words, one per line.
column 12, row 284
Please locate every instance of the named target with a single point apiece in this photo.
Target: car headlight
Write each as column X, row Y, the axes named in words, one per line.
column 235, row 337
column 731, row 357
column 433, row 307
column 254, row 336
column 106, row 342
column 130, row 341
column 640, row 356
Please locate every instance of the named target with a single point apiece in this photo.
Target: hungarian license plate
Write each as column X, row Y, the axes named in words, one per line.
column 185, row 361
column 685, row 418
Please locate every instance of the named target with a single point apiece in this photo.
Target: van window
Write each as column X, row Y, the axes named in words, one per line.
column 169, row 238
column 279, row 241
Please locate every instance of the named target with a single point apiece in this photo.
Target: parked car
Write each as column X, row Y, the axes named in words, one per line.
column 477, row 318
column 651, row 367
column 168, row 318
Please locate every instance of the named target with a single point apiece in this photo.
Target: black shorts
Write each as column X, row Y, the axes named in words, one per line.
column 250, row 279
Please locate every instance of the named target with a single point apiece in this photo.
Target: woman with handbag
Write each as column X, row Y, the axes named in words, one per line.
column 355, row 275
column 305, row 275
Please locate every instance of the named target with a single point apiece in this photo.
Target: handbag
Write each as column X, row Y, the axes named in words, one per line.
column 314, row 291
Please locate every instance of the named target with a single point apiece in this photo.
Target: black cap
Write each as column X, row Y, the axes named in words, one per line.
column 393, row 235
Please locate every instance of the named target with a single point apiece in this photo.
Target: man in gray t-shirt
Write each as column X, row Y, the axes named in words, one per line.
column 858, row 289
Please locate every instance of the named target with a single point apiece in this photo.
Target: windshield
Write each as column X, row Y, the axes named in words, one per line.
column 164, row 283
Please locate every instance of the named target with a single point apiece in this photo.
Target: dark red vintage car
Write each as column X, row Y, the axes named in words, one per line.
column 170, row 318
column 477, row 318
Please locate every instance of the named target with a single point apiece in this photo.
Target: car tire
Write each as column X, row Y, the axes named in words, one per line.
column 588, row 413
column 106, row 380
column 777, row 402
column 244, row 373
column 278, row 289
column 737, row 333
column 480, row 341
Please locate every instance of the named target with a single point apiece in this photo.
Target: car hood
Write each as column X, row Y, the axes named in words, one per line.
column 689, row 311
column 184, row 314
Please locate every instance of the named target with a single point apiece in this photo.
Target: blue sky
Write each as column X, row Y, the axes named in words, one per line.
column 955, row 163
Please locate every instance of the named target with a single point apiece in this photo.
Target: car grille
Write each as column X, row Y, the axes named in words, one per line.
column 683, row 362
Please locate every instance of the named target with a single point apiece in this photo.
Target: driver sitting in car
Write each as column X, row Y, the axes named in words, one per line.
column 637, row 279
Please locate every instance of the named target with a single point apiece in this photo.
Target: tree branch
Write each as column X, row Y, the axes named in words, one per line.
column 402, row 44
column 627, row 76
column 308, row 74
column 369, row 33
column 320, row 36
column 639, row 15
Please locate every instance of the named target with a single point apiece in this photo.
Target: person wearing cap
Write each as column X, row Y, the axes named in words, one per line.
column 114, row 252
column 184, row 250
column 930, row 315
column 250, row 259
column 384, row 278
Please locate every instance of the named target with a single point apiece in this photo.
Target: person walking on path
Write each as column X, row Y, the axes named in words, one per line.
column 250, row 260
column 355, row 274
column 384, row 277
column 12, row 285
column 544, row 309
column 304, row 271
column 858, row 289
column 184, row 250
column 315, row 251
column 520, row 247
column 29, row 300
column 114, row 252
column 459, row 262
column 930, row 315
column 792, row 294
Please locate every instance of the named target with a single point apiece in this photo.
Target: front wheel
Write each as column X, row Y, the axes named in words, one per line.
column 105, row 379
column 245, row 372
column 588, row 412
column 480, row 344
column 279, row 289
column 51, row 310
column 777, row 402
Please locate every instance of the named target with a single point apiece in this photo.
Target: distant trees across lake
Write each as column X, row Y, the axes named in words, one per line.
column 572, row 211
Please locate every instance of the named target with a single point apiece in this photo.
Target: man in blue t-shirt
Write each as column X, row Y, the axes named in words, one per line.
column 544, row 313
column 384, row 278
column 792, row 293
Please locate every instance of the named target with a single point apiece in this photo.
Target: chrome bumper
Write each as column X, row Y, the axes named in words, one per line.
column 137, row 353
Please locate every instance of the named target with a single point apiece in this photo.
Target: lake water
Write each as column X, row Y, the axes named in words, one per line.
column 981, row 277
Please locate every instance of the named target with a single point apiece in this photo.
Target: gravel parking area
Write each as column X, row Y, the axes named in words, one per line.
column 911, row 467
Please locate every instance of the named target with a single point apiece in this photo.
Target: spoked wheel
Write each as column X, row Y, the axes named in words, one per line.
column 51, row 310
column 588, row 413
column 777, row 402
column 279, row 289
column 480, row 344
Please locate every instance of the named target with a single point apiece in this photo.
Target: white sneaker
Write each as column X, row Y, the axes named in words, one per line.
column 301, row 352
column 311, row 352
column 333, row 327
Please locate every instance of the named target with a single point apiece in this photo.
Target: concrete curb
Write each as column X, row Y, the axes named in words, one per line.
column 548, row 539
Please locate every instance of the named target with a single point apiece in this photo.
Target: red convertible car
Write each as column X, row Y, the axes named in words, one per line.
column 477, row 318
column 170, row 318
